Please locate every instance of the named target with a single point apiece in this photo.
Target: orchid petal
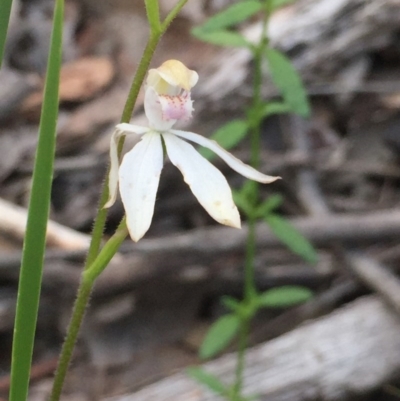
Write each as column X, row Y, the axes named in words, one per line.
column 174, row 74
column 139, row 176
column 121, row 129
column 132, row 129
column 114, row 165
column 233, row 162
column 207, row 183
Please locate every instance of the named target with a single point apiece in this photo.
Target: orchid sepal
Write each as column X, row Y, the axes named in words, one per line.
column 233, row 162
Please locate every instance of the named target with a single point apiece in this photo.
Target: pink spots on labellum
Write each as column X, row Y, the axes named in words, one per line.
column 176, row 107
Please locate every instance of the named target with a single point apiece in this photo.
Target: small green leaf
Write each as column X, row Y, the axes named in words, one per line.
column 232, row 15
column 219, row 335
column 221, row 38
column 208, row 379
column 245, row 198
column 287, row 79
column 275, row 108
column 289, row 235
column 231, row 303
column 280, row 3
column 228, row 136
column 284, row 296
column 269, row 205
column 242, row 202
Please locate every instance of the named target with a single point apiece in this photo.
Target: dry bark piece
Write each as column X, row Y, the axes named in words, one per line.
column 88, row 119
column 85, row 78
column 80, row 80
column 323, row 38
column 14, row 87
column 338, row 357
column 16, row 144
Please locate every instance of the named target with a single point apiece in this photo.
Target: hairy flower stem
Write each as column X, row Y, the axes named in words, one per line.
column 85, row 288
column 96, row 260
column 250, row 289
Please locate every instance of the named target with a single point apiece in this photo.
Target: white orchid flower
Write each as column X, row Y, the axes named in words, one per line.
column 167, row 100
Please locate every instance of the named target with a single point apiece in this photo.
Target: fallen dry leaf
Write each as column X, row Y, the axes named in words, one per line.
column 80, row 80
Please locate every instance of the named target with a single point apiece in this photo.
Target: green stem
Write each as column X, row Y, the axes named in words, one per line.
column 78, row 312
column 249, row 293
column 153, row 14
column 249, row 286
column 85, row 289
column 173, row 14
column 250, row 289
column 140, row 75
column 241, row 357
column 107, row 253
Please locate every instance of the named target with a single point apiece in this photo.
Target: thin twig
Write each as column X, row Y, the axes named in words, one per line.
column 13, row 222
column 376, row 276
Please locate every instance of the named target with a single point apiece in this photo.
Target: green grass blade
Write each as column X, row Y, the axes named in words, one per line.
column 34, row 244
column 5, row 11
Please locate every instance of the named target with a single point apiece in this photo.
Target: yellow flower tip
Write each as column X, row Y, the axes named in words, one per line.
column 174, row 73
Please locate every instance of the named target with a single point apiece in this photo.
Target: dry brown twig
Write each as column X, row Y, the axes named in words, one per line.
column 13, row 222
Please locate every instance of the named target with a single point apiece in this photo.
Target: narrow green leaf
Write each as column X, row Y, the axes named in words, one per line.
column 245, row 198
column 280, row 3
column 208, row 379
column 221, row 38
column 5, row 11
column 232, row 15
column 284, row 296
column 286, row 78
column 228, row 136
column 219, row 335
column 289, row 235
column 271, row 108
column 269, row 205
column 34, row 244
column 242, row 202
column 232, row 303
